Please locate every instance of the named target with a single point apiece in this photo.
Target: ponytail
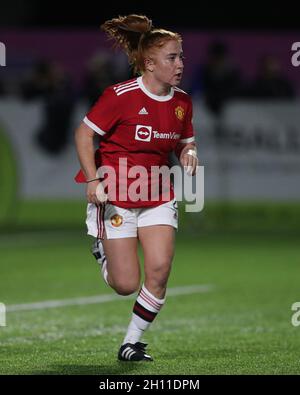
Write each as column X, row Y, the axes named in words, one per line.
column 135, row 35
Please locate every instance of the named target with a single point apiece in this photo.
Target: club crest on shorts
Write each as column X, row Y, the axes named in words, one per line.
column 116, row 220
column 179, row 112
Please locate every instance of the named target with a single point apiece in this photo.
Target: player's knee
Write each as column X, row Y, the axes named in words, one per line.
column 127, row 288
column 159, row 274
column 162, row 268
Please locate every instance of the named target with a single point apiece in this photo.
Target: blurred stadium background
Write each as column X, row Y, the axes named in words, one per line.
column 242, row 249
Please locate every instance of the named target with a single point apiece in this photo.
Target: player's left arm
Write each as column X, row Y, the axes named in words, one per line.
column 186, row 150
column 188, row 158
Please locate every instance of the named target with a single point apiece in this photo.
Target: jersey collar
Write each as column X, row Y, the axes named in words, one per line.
column 154, row 97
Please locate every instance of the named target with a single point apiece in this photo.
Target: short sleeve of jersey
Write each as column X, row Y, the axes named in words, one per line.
column 105, row 113
column 187, row 136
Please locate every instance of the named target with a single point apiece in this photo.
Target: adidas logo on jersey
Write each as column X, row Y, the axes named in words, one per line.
column 143, row 111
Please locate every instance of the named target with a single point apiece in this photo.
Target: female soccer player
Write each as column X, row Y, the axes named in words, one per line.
column 140, row 122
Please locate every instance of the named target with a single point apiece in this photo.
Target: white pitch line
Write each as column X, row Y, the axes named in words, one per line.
column 51, row 304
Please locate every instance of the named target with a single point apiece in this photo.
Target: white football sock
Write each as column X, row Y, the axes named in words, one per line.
column 145, row 310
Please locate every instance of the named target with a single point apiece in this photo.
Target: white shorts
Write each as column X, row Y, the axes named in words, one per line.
column 120, row 222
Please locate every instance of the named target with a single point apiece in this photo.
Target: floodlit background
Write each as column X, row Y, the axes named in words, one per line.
column 236, row 269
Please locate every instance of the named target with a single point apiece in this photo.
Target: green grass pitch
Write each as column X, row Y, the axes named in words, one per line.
column 241, row 326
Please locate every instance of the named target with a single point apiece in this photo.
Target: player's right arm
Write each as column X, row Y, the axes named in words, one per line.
column 101, row 119
column 84, row 140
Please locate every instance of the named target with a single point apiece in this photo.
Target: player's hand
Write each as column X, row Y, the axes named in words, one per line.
column 95, row 193
column 189, row 160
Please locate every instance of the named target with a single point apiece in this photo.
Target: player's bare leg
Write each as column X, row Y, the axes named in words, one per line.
column 123, row 275
column 158, row 246
column 123, row 266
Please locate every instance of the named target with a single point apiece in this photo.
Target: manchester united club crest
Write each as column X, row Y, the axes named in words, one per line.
column 116, row 220
column 179, row 112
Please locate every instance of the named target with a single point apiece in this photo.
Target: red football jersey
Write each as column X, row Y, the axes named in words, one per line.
column 141, row 129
